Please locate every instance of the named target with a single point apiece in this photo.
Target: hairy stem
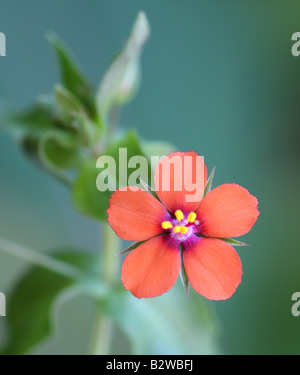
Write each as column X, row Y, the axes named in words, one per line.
column 40, row 259
column 103, row 327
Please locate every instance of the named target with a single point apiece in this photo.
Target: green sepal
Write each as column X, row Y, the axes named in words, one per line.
column 234, row 242
column 71, row 76
column 209, row 182
column 183, row 275
column 131, row 247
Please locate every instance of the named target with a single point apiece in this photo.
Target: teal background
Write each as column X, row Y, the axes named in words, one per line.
column 218, row 78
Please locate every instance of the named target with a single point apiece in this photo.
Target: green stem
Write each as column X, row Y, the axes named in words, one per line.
column 114, row 119
column 103, row 326
column 40, row 259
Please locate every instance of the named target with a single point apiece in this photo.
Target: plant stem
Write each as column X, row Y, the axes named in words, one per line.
column 103, row 327
column 40, row 259
column 114, row 120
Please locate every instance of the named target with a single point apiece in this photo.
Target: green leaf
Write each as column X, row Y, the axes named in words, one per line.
column 233, row 242
column 86, row 196
column 89, row 132
column 34, row 121
column 121, row 80
column 169, row 324
column 44, row 140
column 71, row 76
column 31, row 305
column 209, row 182
column 58, row 150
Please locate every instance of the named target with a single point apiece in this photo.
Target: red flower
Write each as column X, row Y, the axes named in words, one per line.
column 174, row 223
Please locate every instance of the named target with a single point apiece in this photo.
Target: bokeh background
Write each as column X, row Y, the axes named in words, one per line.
column 218, row 78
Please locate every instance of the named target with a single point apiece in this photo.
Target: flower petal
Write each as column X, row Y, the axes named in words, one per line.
column 213, row 267
column 151, row 269
column 135, row 215
column 180, row 180
column 227, row 211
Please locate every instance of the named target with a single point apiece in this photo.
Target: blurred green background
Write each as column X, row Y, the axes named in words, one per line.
column 218, row 78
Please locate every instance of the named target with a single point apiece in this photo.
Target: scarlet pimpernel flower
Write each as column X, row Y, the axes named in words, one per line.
column 180, row 228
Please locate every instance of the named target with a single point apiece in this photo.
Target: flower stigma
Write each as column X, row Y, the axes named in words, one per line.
column 182, row 226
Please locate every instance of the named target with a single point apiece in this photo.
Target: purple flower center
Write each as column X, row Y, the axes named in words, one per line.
column 181, row 227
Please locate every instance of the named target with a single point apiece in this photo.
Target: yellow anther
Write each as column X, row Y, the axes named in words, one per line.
column 166, row 225
column 183, row 230
column 176, row 229
column 192, row 217
column 179, row 215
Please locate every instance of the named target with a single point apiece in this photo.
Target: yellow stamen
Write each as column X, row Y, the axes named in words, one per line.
column 166, row 225
column 183, row 230
column 192, row 217
column 176, row 229
column 179, row 215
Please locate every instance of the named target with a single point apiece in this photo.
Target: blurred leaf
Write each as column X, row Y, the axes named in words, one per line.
column 55, row 145
column 89, row 132
column 120, row 81
column 86, row 197
column 44, row 139
column 170, row 324
column 34, row 121
column 58, row 150
column 31, row 304
column 73, row 116
column 71, row 76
